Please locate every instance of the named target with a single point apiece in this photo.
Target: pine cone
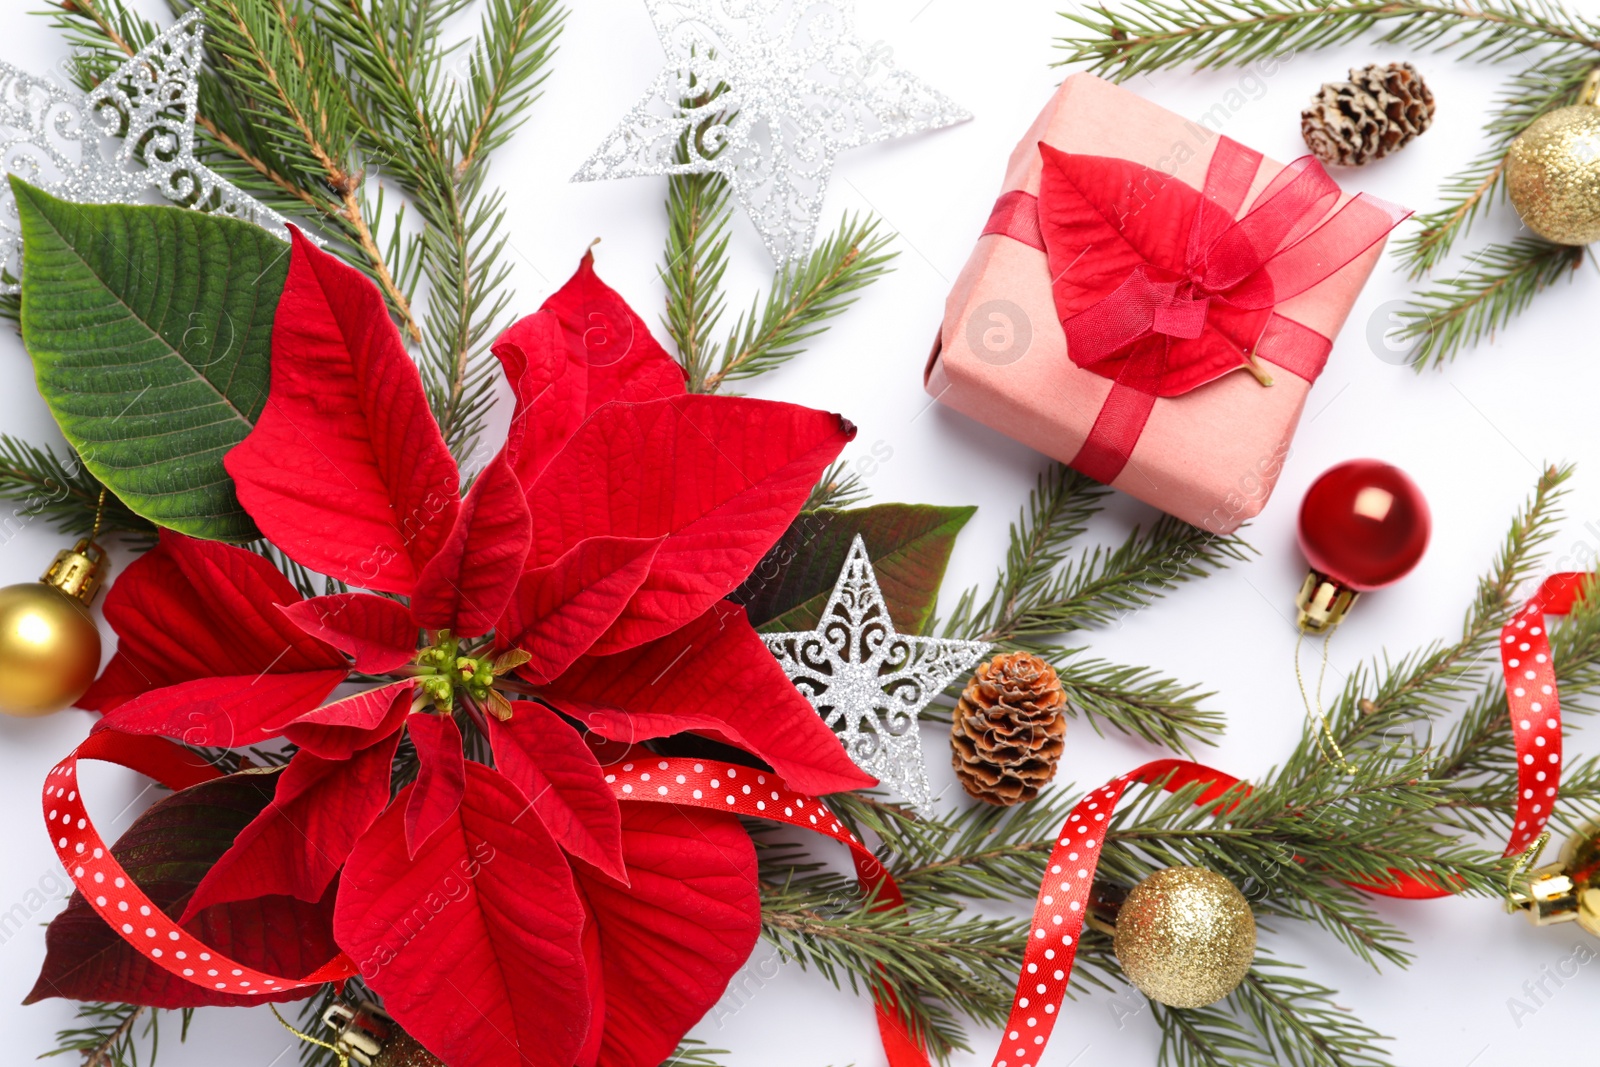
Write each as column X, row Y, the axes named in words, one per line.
column 1381, row 109
column 1008, row 729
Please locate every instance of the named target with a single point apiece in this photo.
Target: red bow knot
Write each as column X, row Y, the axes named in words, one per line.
column 1163, row 288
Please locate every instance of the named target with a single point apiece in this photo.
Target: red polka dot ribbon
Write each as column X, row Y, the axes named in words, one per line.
column 121, row 903
column 1058, row 916
column 1058, row 912
column 762, row 795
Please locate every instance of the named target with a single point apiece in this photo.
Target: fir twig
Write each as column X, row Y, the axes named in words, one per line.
column 61, row 491
column 803, row 297
column 112, row 1037
column 1142, row 36
column 1461, row 311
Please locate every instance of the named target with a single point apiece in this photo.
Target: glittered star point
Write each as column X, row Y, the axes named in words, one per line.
column 870, row 683
column 132, row 133
column 767, row 93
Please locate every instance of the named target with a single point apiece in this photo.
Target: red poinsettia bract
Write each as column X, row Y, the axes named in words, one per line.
column 513, row 914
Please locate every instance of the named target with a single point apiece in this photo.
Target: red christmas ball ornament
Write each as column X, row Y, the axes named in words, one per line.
column 1363, row 525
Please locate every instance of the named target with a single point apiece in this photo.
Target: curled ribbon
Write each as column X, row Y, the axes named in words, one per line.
column 1161, row 288
column 1059, row 910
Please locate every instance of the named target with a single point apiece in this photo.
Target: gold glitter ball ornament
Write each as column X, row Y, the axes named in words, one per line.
column 1185, row 937
column 1553, row 171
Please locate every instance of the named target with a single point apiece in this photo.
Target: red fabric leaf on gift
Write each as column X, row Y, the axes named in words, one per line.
column 376, row 631
column 295, row 847
column 233, row 711
column 466, row 586
column 559, row 774
column 345, row 470
column 475, row 944
column 672, row 938
column 584, row 348
column 440, row 779
column 713, row 676
column 191, row 609
column 1130, row 215
column 339, row 730
column 167, row 851
column 561, row 609
column 720, row 478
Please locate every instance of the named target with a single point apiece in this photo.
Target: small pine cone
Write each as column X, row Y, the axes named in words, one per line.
column 1381, row 109
column 1008, row 729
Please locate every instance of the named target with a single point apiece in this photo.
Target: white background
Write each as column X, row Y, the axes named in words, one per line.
column 1473, row 436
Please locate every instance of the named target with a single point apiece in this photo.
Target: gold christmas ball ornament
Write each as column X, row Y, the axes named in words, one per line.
column 1185, row 937
column 1567, row 890
column 1553, row 171
column 49, row 645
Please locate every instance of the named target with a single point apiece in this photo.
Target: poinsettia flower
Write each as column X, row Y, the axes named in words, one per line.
column 580, row 582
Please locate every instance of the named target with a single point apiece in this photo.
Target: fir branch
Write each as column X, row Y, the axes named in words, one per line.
column 1057, row 512
column 1136, row 701
column 925, row 960
column 839, row 487
column 61, row 491
column 249, row 114
column 1501, row 281
column 1273, row 1018
column 1143, row 36
column 112, row 1037
column 692, row 1053
column 698, row 210
column 803, row 297
column 436, row 140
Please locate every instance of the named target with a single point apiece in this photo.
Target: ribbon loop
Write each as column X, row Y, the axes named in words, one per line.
column 1197, row 300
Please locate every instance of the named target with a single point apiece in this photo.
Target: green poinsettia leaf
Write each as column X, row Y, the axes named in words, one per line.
column 909, row 545
column 150, row 330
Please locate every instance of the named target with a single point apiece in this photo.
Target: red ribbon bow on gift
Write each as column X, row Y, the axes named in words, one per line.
column 1161, row 288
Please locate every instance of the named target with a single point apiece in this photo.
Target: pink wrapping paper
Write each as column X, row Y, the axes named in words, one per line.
column 1211, row 456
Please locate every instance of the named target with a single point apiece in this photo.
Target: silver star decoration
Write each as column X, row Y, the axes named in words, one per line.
column 134, row 132
column 869, row 682
column 767, row 93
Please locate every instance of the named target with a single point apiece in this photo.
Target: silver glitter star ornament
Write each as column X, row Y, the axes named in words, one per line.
column 797, row 87
column 134, row 132
column 870, row 683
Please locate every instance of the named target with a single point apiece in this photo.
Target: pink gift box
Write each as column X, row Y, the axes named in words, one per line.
column 1210, row 456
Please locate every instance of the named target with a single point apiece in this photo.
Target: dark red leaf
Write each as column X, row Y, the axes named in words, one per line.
column 584, row 348
column 376, row 631
column 344, row 727
column 547, row 759
column 227, row 712
column 191, row 609
column 296, row 846
column 720, row 478
column 672, row 938
column 466, row 586
column 345, row 470
column 440, row 779
column 713, row 676
column 561, row 609
column 167, row 851
column 475, row 944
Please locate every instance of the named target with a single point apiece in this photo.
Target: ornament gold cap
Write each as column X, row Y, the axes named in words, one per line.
column 77, row 571
column 1567, row 890
column 1323, row 603
column 360, row 1030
